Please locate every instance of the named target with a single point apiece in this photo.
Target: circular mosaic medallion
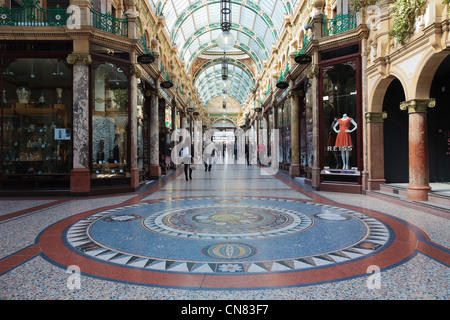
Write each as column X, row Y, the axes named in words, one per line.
column 229, row 251
column 228, row 222
column 202, row 236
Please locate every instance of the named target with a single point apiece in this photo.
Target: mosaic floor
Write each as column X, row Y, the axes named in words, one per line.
column 234, row 232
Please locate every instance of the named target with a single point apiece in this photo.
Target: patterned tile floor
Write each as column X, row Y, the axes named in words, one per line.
column 233, row 233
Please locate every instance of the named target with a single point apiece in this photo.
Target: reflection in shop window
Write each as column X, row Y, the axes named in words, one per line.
column 37, row 117
column 110, row 121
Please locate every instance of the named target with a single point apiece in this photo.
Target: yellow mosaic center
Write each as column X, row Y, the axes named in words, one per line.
column 227, row 217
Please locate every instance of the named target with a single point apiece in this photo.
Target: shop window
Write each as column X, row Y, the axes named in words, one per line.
column 287, row 131
column 339, row 117
column 110, row 96
column 37, row 117
column 309, row 128
column 284, row 127
column 141, row 128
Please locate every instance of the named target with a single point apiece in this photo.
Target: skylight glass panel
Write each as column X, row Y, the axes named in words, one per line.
column 201, row 17
column 194, row 46
column 252, row 44
column 180, row 5
column 170, row 15
column 214, row 12
column 235, row 13
column 247, row 18
column 277, row 16
column 188, row 27
column 268, row 39
column 215, row 34
column 205, row 38
column 267, row 5
column 260, row 26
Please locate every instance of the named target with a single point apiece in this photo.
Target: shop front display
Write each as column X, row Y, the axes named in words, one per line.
column 340, row 114
column 284, row 131
column 36, row 118
column 110, row 95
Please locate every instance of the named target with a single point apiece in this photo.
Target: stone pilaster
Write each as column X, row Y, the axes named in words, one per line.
column 134, row 170
column 419, row 184
column 294, row 169
column 313, row 75
column 154, row 169
column 375, row 149
column 80, row 177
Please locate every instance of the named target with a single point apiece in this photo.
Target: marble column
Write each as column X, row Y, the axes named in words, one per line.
column 154, row 169
column 375, row 149
column 313, row 75
column 80, row 176
column 183, row 122
column 419, row 185
column 134, row 170
column 294, row 169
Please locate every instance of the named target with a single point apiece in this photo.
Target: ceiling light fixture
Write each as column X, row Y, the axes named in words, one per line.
column 225, row 40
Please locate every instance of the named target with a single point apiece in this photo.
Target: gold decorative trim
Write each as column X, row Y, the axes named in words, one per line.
column 153, row 93
column 313, row 71
column 136, row 71
column 418, row 105
column 375, row 116
column 79, row 59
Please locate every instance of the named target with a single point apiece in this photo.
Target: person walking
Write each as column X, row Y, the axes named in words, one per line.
column 209, row 152
column 187, row 160
column 247, row 153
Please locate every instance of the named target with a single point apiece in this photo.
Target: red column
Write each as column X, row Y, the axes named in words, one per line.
column 419, row 184
column 375, row 161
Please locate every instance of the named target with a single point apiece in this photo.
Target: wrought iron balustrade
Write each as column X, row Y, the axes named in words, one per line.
column 341, row 23
column 107, row 22
column 32, row 14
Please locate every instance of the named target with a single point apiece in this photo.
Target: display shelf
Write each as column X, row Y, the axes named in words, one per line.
column 29, row 142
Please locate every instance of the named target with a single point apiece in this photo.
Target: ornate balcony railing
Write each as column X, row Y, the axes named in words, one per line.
column 31, row 14
column 341, row 23
column 107, row 22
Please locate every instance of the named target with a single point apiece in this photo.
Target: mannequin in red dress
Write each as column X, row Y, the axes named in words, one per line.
column 344, row 139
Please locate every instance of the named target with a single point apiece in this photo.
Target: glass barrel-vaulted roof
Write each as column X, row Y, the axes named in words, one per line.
column 194, row 25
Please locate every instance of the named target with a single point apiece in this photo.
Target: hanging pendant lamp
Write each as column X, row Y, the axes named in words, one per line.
column 225, row 40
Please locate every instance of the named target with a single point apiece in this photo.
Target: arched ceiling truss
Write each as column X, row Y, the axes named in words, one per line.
column 194, row 25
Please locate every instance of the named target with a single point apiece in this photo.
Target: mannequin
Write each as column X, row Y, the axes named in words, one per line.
column 344, row 139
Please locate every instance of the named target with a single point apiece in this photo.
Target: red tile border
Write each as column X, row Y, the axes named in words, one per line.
column 16, row 259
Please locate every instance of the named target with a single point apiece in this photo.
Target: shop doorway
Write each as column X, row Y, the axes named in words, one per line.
column 395, row 134
column 439, row 125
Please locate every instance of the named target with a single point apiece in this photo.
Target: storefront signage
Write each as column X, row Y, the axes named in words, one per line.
column 303, row 59
column 146, row 59
column 167, row 84
column 282, row 85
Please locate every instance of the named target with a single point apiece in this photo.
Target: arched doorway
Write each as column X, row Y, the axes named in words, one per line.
column 439, row 125
column 395, row 135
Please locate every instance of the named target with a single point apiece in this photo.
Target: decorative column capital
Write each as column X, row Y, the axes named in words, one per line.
column 418, row 105
column 375, row 116
column 83, row 59
column 135, row 70
column 296, row 93
column 313, row 71
column 153, row 93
